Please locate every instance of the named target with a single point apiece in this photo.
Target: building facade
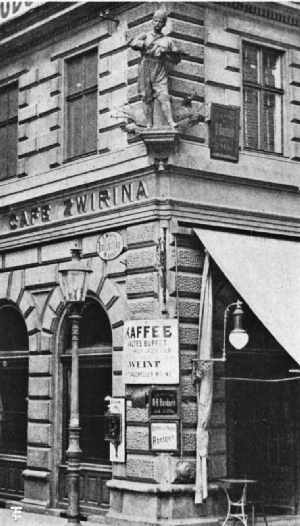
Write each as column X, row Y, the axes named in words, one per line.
column 77, row 163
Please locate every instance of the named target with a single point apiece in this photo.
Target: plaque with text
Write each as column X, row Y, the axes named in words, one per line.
column 163, row 402
column 224, row 132
column 164, row 436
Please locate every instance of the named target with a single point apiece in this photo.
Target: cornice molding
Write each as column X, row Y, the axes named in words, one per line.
column 272, row 11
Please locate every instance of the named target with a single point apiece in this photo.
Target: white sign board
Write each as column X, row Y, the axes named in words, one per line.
column 117, row 405
column 164, row 436
column 151, row 352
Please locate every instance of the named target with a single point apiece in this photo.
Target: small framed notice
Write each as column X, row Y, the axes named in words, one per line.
column 163, row 403
column 224, row 132
column 164, row 436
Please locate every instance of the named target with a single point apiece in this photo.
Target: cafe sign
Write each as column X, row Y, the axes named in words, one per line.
column 224, row 132
column 151, row 352
column 10, row 10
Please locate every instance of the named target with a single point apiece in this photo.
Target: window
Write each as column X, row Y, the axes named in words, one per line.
column 81, row 104
column 262, row 98
column 8, row 131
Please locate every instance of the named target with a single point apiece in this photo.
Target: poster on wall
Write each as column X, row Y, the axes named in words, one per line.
column 151, row 352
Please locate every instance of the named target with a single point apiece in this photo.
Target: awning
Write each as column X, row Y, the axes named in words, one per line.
column 266, row 273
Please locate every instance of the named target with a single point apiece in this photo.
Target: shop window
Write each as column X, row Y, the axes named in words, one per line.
column 262, row 98
column 8, row 131
column 95, row 382
column 81, row 104
column 13, row 382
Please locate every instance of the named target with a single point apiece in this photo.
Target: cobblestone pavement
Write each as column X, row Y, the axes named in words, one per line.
column 23, row 518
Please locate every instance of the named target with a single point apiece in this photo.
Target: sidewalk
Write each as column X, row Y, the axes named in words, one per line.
column 24, row 518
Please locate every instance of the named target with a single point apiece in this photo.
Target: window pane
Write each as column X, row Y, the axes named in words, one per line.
column 250, row 64
column 271, row 68
column 3, row 149
column 74, row 142
column 90, row 69
column 12, row 149
column 74, row 75
column 251, row 130
column 272, row 122
column 90, row 122
column 3, row 105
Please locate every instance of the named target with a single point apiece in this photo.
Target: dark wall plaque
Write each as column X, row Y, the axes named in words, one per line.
column 224, row 132
column 163, row 402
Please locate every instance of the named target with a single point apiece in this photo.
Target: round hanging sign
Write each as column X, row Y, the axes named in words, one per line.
column 110, row 245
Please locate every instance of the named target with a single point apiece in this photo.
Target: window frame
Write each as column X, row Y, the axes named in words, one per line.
column 261, row 89
column 67, row 98
column 5, row 124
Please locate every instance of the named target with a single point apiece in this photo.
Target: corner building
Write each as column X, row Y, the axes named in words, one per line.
column 225, row 183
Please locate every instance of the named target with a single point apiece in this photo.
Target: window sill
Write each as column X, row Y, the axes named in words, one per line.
column 262, row 153
column 80, row 157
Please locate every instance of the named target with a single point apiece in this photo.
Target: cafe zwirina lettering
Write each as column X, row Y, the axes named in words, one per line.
column 151, row 352
column 77, row 205
column 9, row 10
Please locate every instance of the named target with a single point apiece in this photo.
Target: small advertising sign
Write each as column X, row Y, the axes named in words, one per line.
column 110, row 245
column 224, row 132
column 164, row 436
column 163, row 402
column 117, row 449
column 151, row 352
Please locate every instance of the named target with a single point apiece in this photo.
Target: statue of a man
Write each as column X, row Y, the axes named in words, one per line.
column 157, row 50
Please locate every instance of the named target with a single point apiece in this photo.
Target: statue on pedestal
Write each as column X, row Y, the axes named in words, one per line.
column 158, row 51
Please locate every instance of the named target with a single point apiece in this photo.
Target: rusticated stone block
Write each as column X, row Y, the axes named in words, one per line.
column 191, row 10
column 139, row 467
column 142, row 284
column 190, row 258
column 39, row 387
column 189, row 440
column 182, row 28
column 189, row 284
column 118, row 386
column 186, row 86
column 189, row 68
column 217, row 443
column 190, row 48
column 39, row 410
column 40, row 364
column 16, row 285
column 218, row 416
column 186, row 358
column 39, row 433
column 199, row 132
column 28, row 78
column 137, row 414
column 139, row 234
column 142, row 309
column 188, row 309
column 187, row 387
column 144, row 10
column 189, row 412
column 188, row 335
column 4, row 284
column 142, row 258
column 217, row 466
column 38, row 457
column 137, row 438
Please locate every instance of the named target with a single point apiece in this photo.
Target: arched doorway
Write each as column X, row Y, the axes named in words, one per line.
column 13, row 401
column 95, row 383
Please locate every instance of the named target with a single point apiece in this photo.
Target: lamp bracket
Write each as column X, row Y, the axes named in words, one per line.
column 200, row 367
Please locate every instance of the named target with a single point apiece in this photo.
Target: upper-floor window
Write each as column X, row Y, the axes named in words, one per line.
column 262, row 98
column 8, row 130
column 81, row 104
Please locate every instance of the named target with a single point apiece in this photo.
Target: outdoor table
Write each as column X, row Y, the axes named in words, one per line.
column 236, row 508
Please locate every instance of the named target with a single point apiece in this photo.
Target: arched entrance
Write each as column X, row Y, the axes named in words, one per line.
column 13, row 400
column 95, row 383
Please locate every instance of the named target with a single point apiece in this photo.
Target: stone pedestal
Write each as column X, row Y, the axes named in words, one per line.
column 160, row 143
column 146, row 504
